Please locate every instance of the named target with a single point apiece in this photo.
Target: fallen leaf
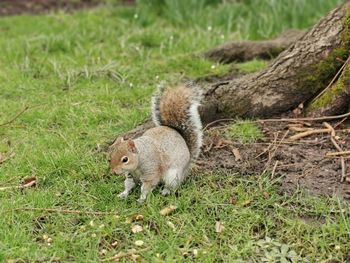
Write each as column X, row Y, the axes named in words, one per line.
column 167, row 210
column 237, row 154
column 171, row 225
column 136, row 228
column 219, row 227
column 233, row 200
column 139, row 243
column 135, row 218
column 114, row 244
column 222, row 143
column 266, row 195
column 29, row 181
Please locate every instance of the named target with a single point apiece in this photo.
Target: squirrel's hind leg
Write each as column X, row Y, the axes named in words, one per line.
column 173, row 179
column 146, row 188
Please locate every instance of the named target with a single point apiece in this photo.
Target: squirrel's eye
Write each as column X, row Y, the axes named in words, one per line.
column 125, row 159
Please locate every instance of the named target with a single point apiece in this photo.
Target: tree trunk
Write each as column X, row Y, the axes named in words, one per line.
column 247, row 50
column 296, row 76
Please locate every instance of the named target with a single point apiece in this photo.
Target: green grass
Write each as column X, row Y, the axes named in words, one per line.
column 248, row 19
column 251, row 66
column 244, row 131
column 87, row 77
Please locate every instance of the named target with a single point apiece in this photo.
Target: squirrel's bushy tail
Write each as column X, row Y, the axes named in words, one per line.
column 178, row 108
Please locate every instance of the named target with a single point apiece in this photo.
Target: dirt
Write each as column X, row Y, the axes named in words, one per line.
column 301, row 164
column 15, row 7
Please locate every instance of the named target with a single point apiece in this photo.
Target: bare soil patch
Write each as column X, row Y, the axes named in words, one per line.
column 301, row 164
column 15, row 7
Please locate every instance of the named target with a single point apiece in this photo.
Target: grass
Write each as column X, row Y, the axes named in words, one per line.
column 244, row 131
column 87, row 77
column 248, row 19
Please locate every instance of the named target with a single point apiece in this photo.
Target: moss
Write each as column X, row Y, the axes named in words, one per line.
column 323, row 72
column 330, row 94
column 244, row 131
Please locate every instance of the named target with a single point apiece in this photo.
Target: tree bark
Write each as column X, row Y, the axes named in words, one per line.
column 247, row 50
column 297, row 75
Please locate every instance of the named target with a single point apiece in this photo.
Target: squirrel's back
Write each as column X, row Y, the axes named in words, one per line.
column 177, row 108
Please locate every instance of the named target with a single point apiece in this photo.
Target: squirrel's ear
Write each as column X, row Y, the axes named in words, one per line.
column 132, row 147
column 117, row 141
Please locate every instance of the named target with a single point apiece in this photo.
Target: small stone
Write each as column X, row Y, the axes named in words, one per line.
column 136, row 228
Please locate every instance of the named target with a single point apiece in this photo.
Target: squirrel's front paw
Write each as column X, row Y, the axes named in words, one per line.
column 141, row 200
column 165, row 192
column 123, row 195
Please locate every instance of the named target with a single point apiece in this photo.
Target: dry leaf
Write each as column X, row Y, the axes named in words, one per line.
column 29, row 181
column 222, row 143
column 237, row 154
column 171, row 225
column 136, row 228
column 114, row 244
column 233, row 200
column 139, row 243
column 167, row 210
column 219, row 227
column 266, row 195
column 134, row 218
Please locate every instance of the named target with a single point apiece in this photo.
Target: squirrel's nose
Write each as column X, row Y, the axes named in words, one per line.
column 116, row 171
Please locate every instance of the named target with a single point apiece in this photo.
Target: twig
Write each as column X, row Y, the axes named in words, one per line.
column 340, row 122
column 299, row 129
column 336, row 145
column 267, row 148
column 333, row 80
column 274, row 151
column 20, row 113
column 16, row 116
column 31, row 183
column 62, row 211
column 124, row 254
column 4, row 159
column 307, row 133
column 274, row 170
column 324, row 118
column 332, row 154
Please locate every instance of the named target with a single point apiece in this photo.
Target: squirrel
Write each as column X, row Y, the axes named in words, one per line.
column 163, row 154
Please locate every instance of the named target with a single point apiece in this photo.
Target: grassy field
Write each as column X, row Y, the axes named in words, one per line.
column 87, row 77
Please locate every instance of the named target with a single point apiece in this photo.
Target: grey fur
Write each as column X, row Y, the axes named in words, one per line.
column 191, row 127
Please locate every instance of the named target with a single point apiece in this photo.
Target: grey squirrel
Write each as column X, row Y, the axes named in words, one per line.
column 163, row 154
